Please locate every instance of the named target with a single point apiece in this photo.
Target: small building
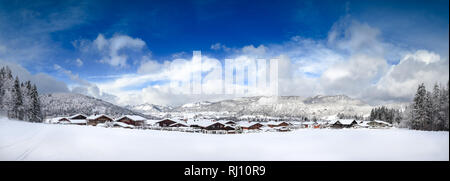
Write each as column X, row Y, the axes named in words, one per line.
column 255, row 126
column 121, row 125
column 216, row 126
column 62, row 120
column 343, row 123
column 95, row 119
column 165, row 123
column 78, row 117
column 78, row 121
column 178, row 125
column 273, row 124
column 132, row 120
column 231, row 123
column 283, row 129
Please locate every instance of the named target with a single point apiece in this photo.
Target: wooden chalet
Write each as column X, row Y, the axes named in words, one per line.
column 178, row 125
column 255, row 126
column 165, row 123
column 132, row 120
column 231, row 123
column 216, row 126
column 78, row 116
column 276, row 124
column 63, row 121
column 96, row 119
column 344, row 124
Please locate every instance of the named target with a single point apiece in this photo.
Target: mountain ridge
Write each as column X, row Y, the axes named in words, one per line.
column 295, row 106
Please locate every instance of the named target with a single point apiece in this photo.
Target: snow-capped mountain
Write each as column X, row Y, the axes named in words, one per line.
column 149, row 108
column 65, row 104
column 318, row 106
column 280, row 106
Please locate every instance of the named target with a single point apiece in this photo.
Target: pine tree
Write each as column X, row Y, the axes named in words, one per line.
column 36, row 115
column 419, row 114
column 2, row 75
column 435, row 116
column 444, row 109
column 428, row 122
column 27, row 102
column 17, row 110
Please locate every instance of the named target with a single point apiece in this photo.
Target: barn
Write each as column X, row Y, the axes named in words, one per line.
column 231, row 123
column 216, row 126
column 178, row 125
column 255, row 126
column 78, row 117
column 62, row 120
column 343, row 123
column 165, row 123
column 277, row 124
column 132, row 120
column 96, row 119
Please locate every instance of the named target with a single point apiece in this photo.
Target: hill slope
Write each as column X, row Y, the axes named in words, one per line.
column 289, row 106
column 60, row 104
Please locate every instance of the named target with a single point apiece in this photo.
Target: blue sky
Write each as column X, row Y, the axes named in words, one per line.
column 37, row 35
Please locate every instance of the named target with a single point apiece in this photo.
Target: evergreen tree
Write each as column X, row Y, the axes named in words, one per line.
column 17, row 101
column 435, row 116
column 428, row 120
column 419, row 115
column 36, row 115
column 444, row 109
column 17, row 110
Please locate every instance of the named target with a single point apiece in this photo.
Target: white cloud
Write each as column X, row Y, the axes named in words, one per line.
column 111, row 48
column 401, row 81
column 149, row 66
column 79, row 62
column 352, row 60
column 258, row 51
column 85, row 87
column 219, row 46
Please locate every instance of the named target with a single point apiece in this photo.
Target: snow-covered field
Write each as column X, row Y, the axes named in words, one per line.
column 35, row 141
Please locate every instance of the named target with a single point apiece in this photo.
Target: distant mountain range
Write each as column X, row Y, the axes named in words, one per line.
column 65, row 104
column 281, row 106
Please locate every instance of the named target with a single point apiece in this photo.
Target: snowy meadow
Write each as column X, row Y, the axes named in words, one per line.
column 36, row 141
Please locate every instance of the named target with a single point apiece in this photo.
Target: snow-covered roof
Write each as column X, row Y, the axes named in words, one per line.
column 201, row 122
column 152, row 121
column 132, row 117
column 55, row 119
column 182, row 123
column 274, row 122
column 344, row 121
column 71, row 117
column 77, row 121
column 125, row 125
column 97, row 116
column 246, row 123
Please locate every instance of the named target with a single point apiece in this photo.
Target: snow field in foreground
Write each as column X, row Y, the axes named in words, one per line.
column 35, row 141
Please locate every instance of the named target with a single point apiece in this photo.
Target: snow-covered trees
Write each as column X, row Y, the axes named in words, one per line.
column 385, row 114
column 18, row 100
column 430, row 109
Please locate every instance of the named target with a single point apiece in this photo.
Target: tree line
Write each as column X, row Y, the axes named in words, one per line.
column 18, row 100
column 429, row 110
column 349, row 116
column 390, row 115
